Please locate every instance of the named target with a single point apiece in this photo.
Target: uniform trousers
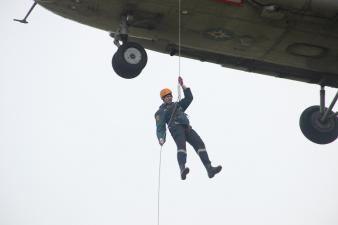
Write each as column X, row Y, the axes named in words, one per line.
column 182, row 134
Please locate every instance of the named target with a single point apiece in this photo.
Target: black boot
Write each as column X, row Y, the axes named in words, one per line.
column 184, row 171
column 213, row 170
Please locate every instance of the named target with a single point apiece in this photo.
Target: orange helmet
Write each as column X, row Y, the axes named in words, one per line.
column 164, row 92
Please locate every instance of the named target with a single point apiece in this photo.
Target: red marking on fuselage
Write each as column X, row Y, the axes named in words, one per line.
column 231, row 2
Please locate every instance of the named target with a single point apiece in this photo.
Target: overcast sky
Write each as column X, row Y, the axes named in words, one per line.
column 78, row 143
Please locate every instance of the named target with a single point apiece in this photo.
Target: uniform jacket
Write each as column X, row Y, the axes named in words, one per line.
column 165, row 112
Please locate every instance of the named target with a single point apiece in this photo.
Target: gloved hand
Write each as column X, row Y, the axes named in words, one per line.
column 161, row 141
column 180, row 80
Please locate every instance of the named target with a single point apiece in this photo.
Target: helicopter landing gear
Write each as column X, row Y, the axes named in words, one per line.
column 318, row 123
column 130, row 58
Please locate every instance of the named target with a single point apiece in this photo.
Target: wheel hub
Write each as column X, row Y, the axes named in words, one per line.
column 132, row 56
column 326, row 126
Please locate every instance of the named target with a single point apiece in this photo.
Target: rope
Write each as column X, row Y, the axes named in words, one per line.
column 159, row 188
column 178, row 92
column 179, row 38
column 178, row 99
column 179, row 49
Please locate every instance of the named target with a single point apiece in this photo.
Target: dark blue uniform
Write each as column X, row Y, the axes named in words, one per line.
column 174, row 116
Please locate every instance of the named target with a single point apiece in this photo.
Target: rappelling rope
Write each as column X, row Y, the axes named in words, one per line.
column 159, row 188
column 160, row 163
column 179, row 50
column 179, row 37
column 178, row 92
column 178, row 99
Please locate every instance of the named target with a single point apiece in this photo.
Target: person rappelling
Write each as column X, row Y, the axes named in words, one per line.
column 173, row 114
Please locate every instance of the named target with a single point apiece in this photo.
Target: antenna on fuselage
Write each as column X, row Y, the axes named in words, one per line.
column 24, row 20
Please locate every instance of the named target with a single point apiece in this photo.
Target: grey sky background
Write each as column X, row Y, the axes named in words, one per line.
column 78, row 143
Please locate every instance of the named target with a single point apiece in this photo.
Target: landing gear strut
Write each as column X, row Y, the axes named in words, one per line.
column 318, row 123
column 130, row 58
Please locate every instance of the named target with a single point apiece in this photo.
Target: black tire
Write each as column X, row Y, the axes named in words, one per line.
column 130, row 59
column 122, row 70
column 315, row 130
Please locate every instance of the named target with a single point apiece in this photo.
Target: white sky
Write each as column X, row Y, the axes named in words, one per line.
column 78, row 143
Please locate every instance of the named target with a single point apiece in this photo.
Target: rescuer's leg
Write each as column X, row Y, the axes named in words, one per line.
column 180, row 139
column 195, row 140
